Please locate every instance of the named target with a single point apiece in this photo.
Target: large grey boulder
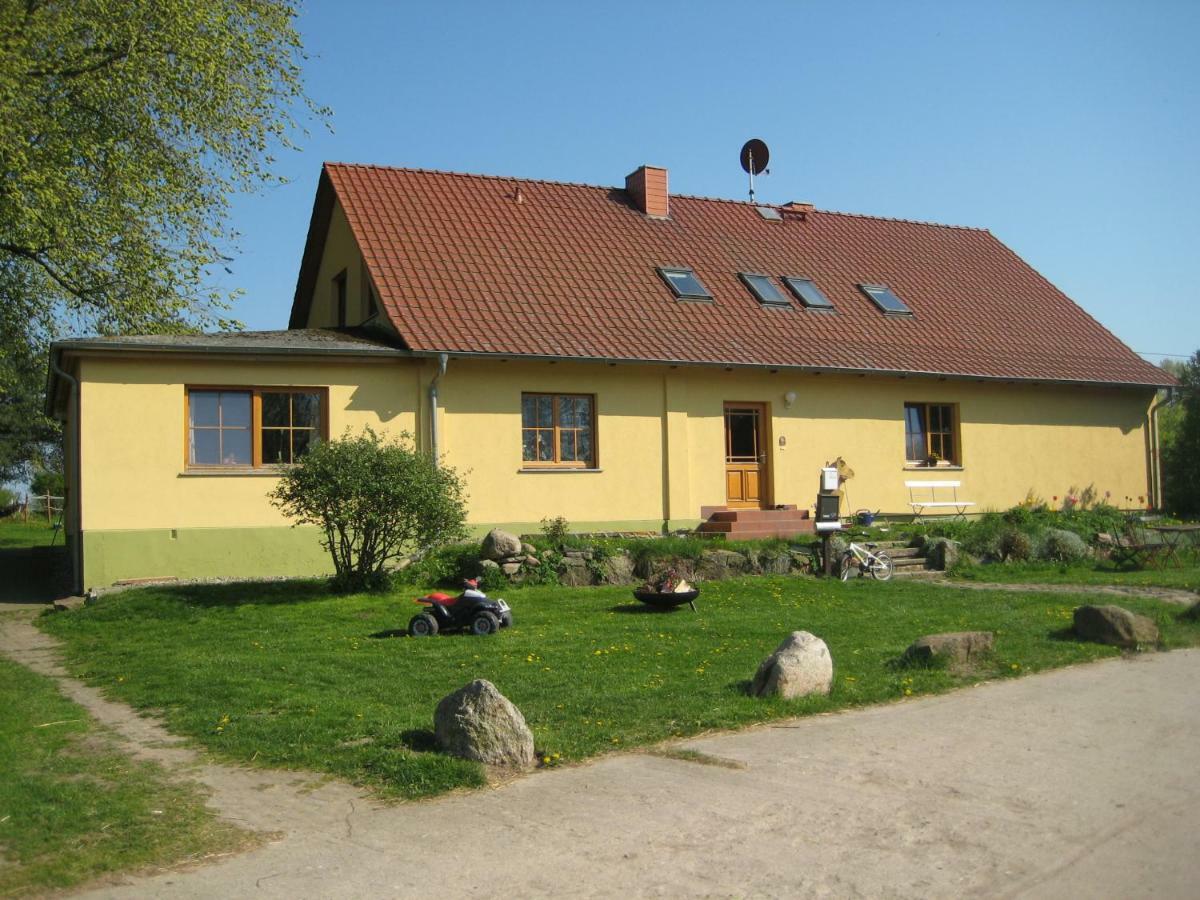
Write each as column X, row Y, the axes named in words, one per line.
column 1115, row 625
column 617, row 569
column 716, row 565
column 478, row 722
column 499, row 544
column 959, row 649
column 778, row 564
column 941, row 553
column 800, row 666
column 574, row 572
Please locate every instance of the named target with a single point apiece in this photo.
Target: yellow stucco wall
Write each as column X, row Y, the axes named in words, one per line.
column 132, row 455
column 1014, row 438
column 341, row 254
column 660, row 439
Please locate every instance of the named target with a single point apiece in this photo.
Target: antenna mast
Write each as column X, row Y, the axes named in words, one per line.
column 754, row 158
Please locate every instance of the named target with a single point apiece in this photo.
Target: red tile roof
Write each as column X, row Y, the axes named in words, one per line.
column 568, row 271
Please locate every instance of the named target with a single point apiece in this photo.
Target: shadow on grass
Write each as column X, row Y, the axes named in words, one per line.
column 34, row 574
column 743, row 687
column 639, row 608
column 389, row 633
column 420, row 740
column 250, row 593
column 1065, row 634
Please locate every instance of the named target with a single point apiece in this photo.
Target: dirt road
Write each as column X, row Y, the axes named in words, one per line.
column 1081, row 782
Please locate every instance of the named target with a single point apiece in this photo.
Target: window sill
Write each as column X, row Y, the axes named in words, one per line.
column 555, row 470
column 910, row 468
column 234, row 471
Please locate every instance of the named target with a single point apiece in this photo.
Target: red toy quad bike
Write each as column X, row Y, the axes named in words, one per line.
column 472, row 609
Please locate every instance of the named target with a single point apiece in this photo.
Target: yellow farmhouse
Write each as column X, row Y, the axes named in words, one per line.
column 618, row 356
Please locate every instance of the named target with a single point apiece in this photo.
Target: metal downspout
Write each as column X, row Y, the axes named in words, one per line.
column 77, row 544
column 1156, row 450
column 435, row 430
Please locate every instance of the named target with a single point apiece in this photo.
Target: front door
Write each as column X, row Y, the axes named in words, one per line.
column 746, row 455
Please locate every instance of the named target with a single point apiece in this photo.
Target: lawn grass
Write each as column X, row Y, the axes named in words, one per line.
column 73, row 807
column 286, row 675
column 1086, row 572
column 34, row 533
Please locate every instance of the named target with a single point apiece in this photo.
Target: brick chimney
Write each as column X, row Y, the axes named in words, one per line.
column 647, row 187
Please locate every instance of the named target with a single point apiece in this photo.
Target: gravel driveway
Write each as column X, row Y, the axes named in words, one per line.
column 1083, row 782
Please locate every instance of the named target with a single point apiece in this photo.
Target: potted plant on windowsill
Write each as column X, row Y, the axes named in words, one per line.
column 933, row 460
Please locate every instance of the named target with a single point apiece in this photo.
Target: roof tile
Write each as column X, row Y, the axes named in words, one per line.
column 569, row 271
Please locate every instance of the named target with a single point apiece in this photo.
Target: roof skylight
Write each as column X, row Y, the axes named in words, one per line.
column 885, row 299
column 764, row 289
column 807, row 292
column 684, row 283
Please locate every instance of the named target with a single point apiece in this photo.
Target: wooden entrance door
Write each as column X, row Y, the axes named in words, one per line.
column 746, row 475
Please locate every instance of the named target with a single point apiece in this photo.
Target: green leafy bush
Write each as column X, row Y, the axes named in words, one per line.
column 991, row 536
column 46, row 481
column 447, row 566
column 555, row 531
column 375, row 500
column 1060, row 545
column 1015, row 546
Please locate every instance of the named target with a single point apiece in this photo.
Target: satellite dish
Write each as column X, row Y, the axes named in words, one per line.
column 755, row 156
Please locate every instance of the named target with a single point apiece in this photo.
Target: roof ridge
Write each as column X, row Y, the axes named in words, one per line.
column 609, row 187
column 832, row 212
column 424, row 171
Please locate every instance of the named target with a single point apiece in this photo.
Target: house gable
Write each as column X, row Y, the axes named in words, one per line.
column 335, row 288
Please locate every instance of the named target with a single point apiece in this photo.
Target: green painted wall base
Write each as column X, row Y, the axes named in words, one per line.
column 188, row 553
column 655, row 526
column 193, row 553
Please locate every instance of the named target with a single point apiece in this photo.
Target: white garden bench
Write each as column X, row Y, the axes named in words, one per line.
column 923, row 495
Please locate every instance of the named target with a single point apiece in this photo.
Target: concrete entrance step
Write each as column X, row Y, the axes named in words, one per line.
column 923, row 574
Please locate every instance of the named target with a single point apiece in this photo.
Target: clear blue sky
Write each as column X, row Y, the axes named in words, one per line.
column 1070, row 129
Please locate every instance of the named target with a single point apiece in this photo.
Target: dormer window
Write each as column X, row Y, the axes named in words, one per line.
column 684, row 284
column 762, row 287
column 885, row 299
column 807, row 293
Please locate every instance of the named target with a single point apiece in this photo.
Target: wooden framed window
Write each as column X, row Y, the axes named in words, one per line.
column 931, row 433
column 290, row 423
column 219, row 428
column 558, row 430
column 240, row 427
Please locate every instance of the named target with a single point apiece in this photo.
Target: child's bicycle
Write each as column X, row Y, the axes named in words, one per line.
column 860, row 558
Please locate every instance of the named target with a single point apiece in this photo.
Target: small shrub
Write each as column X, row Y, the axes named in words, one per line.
column 446, row 566
column 1060, row 545
column 374, row 500
column 1015, row 546
column 554, row 531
